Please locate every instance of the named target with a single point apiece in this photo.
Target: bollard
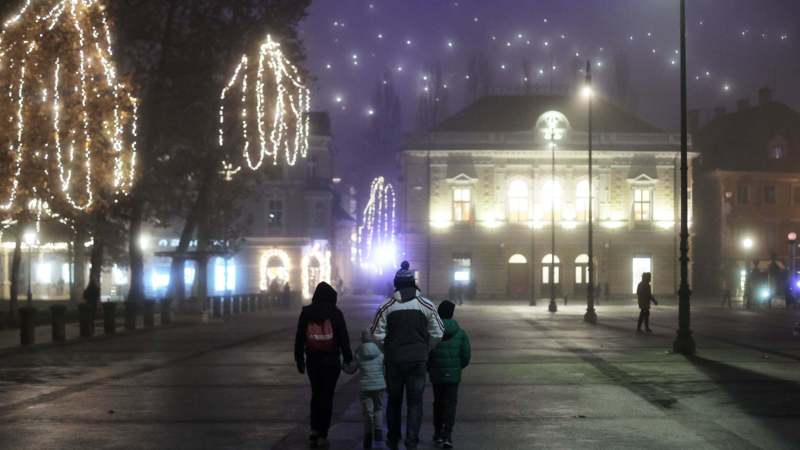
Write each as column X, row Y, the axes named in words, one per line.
column 2, row 320
column 166, row 311
column 59, row 322
column 109, row 318
column 243, row 303
column 253, row 303
column 217, row 304
column 130, row 315
column 85, row 320
column 237, row 306
column 27, row 325
column 149, row 312
column 226, row 307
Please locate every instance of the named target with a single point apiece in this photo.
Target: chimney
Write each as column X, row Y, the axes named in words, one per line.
column 764, row 96
column 742, row 104
column 694, row 120
column 719, row 111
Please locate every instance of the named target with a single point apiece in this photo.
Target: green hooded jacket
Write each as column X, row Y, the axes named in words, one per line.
column 451, row 355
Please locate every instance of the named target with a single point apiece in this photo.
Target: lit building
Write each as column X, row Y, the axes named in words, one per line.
column 749, row 180
column 478, row 200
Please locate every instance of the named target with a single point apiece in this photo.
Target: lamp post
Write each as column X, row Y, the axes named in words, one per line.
column 747, row 245
column 591, row 314
column 30, row 239
column 552, row 307
column 684, row 343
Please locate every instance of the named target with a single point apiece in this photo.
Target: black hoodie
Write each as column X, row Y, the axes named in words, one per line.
column 322, row 307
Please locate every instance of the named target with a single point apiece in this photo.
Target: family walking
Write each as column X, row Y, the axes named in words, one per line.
column 408, row 339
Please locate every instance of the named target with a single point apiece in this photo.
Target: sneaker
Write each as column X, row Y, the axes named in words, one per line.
column 438, row 439
column 447, row 443
column 313, row 439
column 378, row 435
column 323, row 442
column 649, row 330
column 367, row 440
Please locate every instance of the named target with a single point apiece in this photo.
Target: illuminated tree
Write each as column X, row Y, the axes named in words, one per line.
column 376, row 234
column 69, row 121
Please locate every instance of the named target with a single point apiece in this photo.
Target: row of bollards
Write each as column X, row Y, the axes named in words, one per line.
column 225, row 307
column 87, row 316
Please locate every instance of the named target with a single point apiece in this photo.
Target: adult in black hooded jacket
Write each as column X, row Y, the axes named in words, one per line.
column 323, row 367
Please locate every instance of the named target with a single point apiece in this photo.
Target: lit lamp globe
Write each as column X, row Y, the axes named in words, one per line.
column 747, row 243
column 30, row 237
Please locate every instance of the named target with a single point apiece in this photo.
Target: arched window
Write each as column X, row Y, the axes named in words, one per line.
column 551, row 265
column 517, row 259
column 518, row 201
column 582, row 201
column 582, row 269
column 551, row 197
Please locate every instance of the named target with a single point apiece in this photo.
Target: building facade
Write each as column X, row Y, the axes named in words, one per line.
column 480, row 200
column 749, row 183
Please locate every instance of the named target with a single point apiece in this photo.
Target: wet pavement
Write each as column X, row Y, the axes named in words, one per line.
column 536, row 381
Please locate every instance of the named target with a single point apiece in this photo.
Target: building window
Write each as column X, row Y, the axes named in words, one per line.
column 551, row 265
column 742, row 194
column 582, row 201
column 582, row 269
column 776, row 152
column 518, row 201
column 462, row 204
column 769, row 194
column 796, row 195
column 462, row 265
column 551, row 200
column 275, row 214
column 318, row 219
column 224, row 274
column 642, row 204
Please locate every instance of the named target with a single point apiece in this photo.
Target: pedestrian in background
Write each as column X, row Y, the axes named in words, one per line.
column 445, row 364
column 320, row 345
column 368, row 362
column 408, row 327
column 644, row 296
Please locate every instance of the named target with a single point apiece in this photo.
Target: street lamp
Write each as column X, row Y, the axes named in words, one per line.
column 591, row 314
column 684, row 343
column 30, row 239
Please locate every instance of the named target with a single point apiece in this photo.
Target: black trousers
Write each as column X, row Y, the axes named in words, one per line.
column 405, row 380
column 644, row 316
column 323, row 385
column 445, row 400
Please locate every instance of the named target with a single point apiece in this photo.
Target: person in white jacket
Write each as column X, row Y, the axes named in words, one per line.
column 408, row 327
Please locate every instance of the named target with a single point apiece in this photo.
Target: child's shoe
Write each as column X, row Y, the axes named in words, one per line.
column 438, row 439
column 447, row 443
column 367, row 440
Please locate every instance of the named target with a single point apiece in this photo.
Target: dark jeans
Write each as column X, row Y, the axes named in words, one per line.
column 408, row 377
column 323, row 385
column 445, row 399
column 644, row 315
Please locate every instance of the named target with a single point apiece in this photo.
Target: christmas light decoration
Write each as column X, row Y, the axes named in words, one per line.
column 282, row 102
column 376, row 234
column 68, row 113
column 271, row 273
column 313, row 274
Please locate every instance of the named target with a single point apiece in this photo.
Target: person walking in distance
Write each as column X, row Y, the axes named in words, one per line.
column 408, row 327
column 320, row 344
column 644, row 295
column 445, row 364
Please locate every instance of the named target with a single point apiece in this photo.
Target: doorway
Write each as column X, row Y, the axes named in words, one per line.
column 518, row 277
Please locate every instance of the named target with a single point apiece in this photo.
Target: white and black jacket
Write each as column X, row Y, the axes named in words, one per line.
column 408, row 327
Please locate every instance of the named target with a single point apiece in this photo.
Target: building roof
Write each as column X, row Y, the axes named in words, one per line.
column 762, row 138
column 319, row 123
column 516, row 113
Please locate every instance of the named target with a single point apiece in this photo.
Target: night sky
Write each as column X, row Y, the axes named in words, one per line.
column 735, row 47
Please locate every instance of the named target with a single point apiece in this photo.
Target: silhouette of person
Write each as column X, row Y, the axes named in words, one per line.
column 644, row 295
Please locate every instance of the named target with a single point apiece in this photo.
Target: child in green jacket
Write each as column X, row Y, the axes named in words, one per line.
column 445, row 364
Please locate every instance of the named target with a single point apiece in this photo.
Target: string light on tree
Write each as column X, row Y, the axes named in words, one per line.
column 282, row 102
column 376, row 234
column 72, row 122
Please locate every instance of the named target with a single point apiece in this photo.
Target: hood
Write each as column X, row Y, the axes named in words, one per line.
column 451, row 327
column 324, row 293
column 368, row 351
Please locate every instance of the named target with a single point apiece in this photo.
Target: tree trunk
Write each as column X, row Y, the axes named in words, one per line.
column 16, row 263
column 78, row 265
column 136, row 291
column 96, row 269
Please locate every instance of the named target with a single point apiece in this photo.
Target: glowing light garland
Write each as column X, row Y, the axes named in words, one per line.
column 281, row 114
column 266, row 256
column 323, row 258
column 71, row 38
column 376, row 234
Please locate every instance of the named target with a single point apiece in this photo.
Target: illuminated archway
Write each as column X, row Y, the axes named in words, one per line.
column 315, row 267
column 269, row 270
column 517, row 259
